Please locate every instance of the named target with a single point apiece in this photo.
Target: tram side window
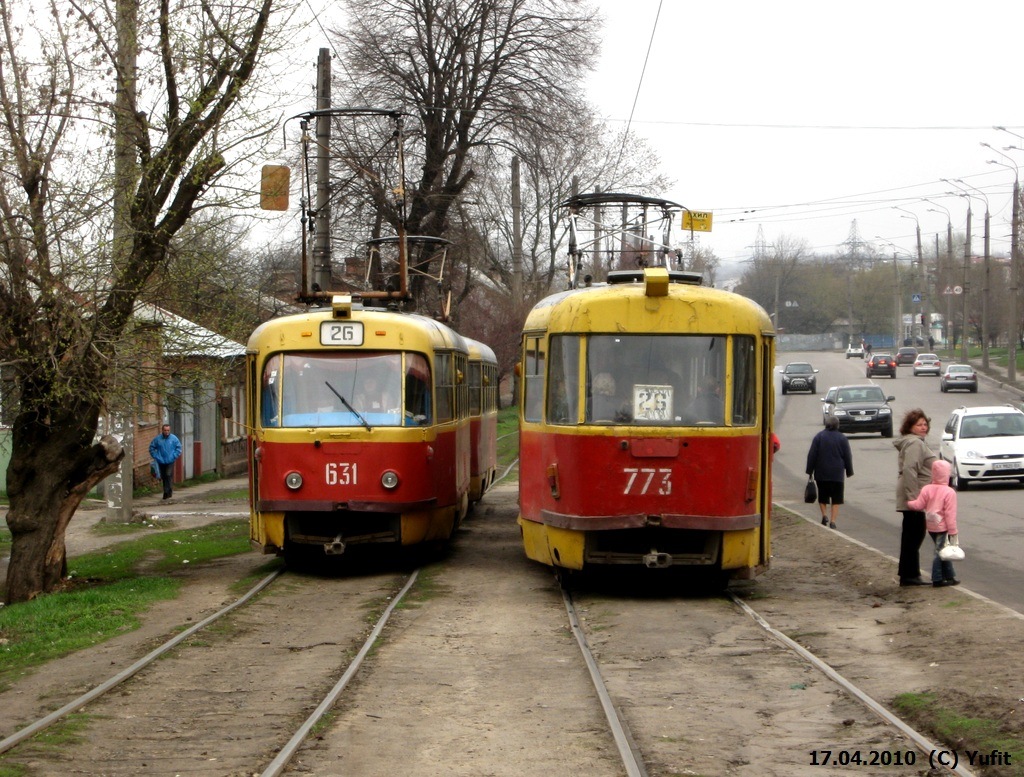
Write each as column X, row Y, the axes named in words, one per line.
column 475, row 388
column 417, row 390
column 533, row 378
column 461, row 362
column 444, row 379
column 270, row 395
column 563, row 380
column 490, row 388
column 744, row 381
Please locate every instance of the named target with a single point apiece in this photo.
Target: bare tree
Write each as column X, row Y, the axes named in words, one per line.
column 67, row 294
column 471, row 73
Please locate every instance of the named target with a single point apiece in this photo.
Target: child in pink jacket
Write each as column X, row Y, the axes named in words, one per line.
column 938, row 501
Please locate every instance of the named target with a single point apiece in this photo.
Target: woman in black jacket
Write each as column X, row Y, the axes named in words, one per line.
column 830, row 462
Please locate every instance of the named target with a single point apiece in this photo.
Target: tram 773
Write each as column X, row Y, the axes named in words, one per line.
column 645, row 427
column 359, row 430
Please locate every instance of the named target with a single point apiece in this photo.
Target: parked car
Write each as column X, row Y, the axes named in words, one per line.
column 827, row 402
column 959, row 376
column 906, row 355
column 855, row 350
column 927, row 364
column 863, row 408
column 984, row 443
column 799, row 376
column 881, row 364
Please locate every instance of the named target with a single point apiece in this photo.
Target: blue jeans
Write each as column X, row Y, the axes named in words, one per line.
column 941, row 570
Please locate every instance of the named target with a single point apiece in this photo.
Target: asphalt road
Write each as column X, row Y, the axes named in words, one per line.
column 990, row 516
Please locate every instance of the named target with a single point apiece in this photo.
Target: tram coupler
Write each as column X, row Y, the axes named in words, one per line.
column 656, row 560
column 335, row 547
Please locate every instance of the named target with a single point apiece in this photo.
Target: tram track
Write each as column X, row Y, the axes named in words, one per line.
column 481, row 673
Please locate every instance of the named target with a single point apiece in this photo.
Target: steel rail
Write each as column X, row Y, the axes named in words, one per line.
column 120, row 677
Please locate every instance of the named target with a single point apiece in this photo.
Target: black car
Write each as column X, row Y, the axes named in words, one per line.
column 906, row 355
column 881, row 364
column 799, row 376
column 863, row 408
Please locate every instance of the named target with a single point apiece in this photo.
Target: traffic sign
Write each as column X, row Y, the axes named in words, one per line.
column 697, row 220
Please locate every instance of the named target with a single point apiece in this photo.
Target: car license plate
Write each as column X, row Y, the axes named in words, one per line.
column 1006, row 465
column 862, row 418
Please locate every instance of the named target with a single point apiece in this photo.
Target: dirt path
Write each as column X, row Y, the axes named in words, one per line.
column 480, row 677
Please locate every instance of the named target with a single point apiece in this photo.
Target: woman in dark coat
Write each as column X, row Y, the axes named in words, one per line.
column 830, row 462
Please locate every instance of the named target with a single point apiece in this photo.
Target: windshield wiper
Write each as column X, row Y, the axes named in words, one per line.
column 350, row 408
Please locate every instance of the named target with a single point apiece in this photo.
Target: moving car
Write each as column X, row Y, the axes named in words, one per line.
column 863, row 408
column 906, row 355
column 855, row 350
column 927, row 364
column 881, row 364
column 984, row 443
column 959, row 376
column 827, row 402
column 799, row 376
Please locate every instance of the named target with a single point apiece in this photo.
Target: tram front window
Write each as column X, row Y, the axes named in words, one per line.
column 655, row 380
column 336, row 389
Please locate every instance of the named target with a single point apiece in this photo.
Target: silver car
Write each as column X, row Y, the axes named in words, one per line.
column 927, row 364
column 959, row 376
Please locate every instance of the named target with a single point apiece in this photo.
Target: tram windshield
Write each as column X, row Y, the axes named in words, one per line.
column 651, row 380
column 345, row 389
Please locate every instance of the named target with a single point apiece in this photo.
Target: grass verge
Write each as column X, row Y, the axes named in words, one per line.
column 106, row 592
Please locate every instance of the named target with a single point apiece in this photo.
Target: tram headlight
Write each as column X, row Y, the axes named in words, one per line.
column 389, row 480
column 293, row 480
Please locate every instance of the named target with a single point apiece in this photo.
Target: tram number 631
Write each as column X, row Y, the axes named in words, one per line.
column 643, row 480
column 340, row 473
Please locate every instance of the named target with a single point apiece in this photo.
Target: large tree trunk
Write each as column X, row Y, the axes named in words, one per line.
column 46, row 492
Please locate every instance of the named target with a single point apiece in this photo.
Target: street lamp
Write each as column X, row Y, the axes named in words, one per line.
column 921, row 314
column 946, row 275
column 1014, row 334
column 967, row 261
column 899, row 332
column 988, row 272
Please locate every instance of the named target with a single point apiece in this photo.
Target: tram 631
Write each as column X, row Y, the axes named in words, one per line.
column 483, row 418
column 645, row 427
column 359, row 430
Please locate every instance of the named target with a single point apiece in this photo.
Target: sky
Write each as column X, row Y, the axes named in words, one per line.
column 799, row 118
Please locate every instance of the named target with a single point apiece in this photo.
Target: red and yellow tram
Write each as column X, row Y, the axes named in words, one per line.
column 483, row 418
column 360, row 430
column 645, row 427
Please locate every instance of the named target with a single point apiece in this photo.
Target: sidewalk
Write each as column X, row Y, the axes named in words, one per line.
column 191, row 506
column 997, row 374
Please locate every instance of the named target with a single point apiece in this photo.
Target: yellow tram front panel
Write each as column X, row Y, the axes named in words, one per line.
column 360, row 431
column 645, row 428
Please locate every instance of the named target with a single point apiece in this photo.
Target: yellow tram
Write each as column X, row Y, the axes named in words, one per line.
column 360, row 430
column 645, row 427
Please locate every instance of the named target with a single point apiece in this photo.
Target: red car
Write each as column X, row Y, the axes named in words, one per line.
column 881, row 364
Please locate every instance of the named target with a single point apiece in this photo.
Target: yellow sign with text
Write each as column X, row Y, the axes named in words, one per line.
column 697, row 220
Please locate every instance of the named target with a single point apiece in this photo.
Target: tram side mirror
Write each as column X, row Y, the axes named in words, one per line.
column 518, row 369
column 226, row 406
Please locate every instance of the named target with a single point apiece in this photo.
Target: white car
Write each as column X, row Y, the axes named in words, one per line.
column 927, row 364
column 854, row 350
column 984, row 443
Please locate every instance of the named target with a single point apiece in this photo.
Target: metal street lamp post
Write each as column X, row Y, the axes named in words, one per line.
column 1013, row 337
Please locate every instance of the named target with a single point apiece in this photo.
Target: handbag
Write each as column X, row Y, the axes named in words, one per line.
column 952, row 551
column 810, row 491
column 154, row 468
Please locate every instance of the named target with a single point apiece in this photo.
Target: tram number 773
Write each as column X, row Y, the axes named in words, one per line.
column 643, row 479
column 341, row 473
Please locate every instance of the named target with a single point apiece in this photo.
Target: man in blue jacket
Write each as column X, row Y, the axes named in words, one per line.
column 165, row 450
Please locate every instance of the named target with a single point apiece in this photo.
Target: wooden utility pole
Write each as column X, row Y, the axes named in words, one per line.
column 517, row 234
column 117, row 490
column 322, row 213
